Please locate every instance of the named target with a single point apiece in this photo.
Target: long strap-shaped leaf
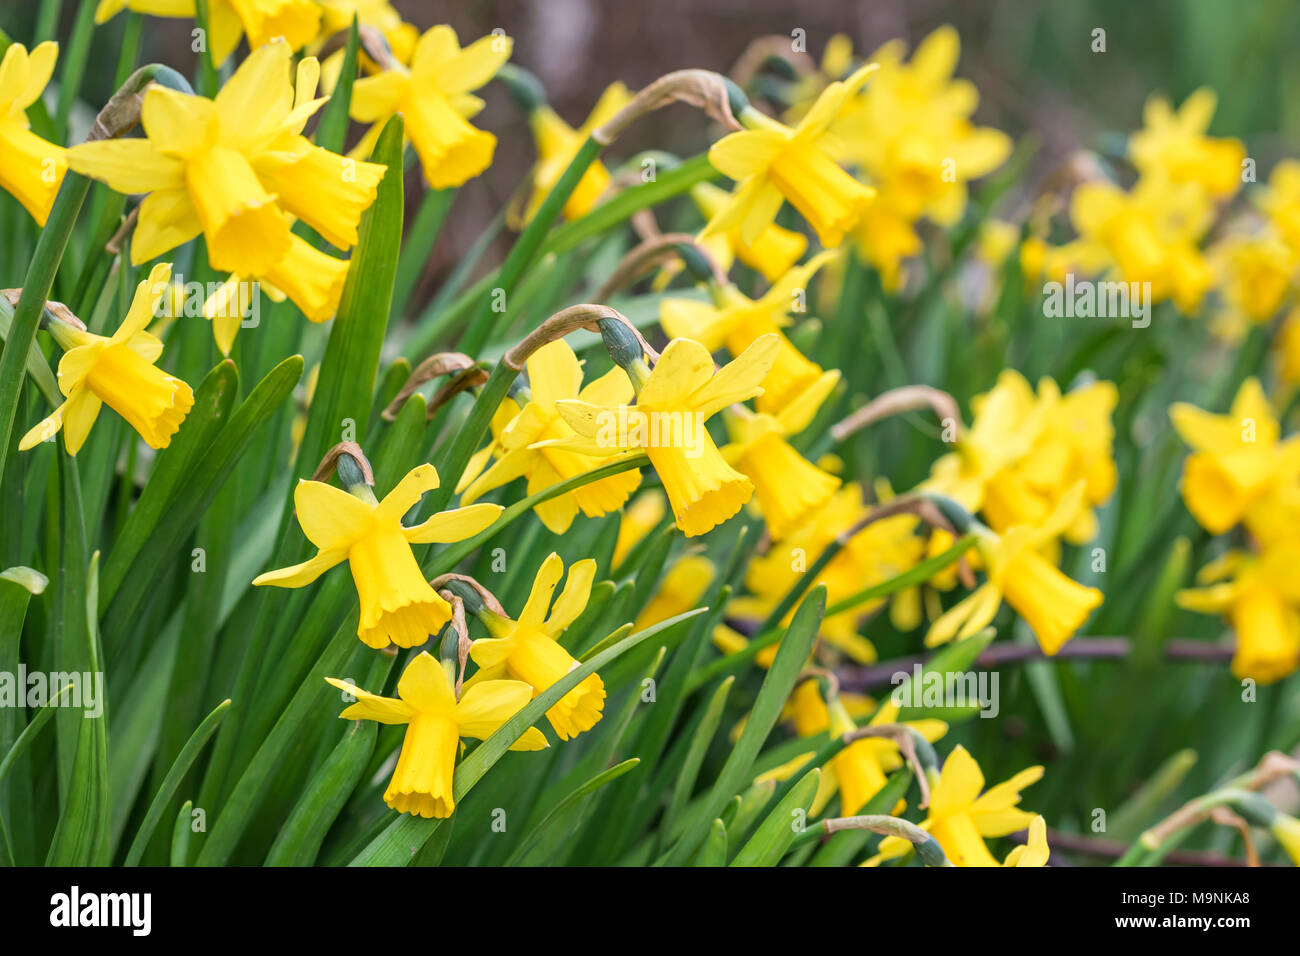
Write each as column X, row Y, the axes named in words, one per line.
column 173, row 780
column 777, row 685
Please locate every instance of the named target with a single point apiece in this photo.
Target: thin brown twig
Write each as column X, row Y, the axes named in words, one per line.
column 1080, row 648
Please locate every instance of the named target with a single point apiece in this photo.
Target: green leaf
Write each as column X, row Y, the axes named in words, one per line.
column 558, row 811
column 36, row 290
column 181, row 830
column 350, row 367
column 333, row 127
column 713, row 851
column 777, row 831
column 701, row 737
column 301, row 836
column 777, row 685
column 173, row 780
column 203, row 482
column 212, row 402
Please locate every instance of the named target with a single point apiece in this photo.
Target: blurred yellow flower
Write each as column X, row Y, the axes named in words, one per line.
column 772, row 162
column 787, row 487
column 772, row 254
column 558, row 143
column 435, row 722
column 1173, row 144
column 636, row 521
column 1239, row 466
column 859, row 771
column 31, row 169
column 1052, row 604
column 680, row 590
column 1261, row 601
column 1148, row 234
column 262, row 21
column 733, row 321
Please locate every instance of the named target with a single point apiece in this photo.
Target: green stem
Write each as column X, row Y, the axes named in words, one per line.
column 50, row 247
column 525, row 250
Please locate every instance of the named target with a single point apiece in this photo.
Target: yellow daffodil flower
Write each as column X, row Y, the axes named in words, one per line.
column 555, row 374
column 434, row 96
column 960, row 817
column 882, row 550
column 31, row 169
column 1053, row 605
column 398, row 606
column 910, row 134
column 1239, row 465
column 119, row 371
column 772, row 254
column 772, row 162
column 734, row 321
column 435, row 723
column 1173, row 144
column 234, row 169
column 557, row 144
column 1255, row 274
column 1149, row 234
column 262, row 21
column 336, row 17
column 1280, row 201
column 1261, row 601
column 311, row 279
column 668, row 422
column 1024, row 451
column 528, row 649
column 787, row 487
